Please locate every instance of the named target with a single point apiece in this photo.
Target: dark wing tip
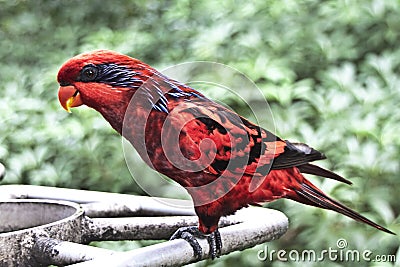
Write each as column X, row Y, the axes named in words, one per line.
column 306, row 149
column 296, row 154
column 319, row 171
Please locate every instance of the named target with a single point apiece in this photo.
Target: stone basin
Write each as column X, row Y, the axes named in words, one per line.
column 23, row 221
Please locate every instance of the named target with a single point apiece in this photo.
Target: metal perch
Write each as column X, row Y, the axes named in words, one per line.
column 109, row 216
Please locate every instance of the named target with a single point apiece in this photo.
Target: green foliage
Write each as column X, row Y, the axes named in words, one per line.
column 329, row 69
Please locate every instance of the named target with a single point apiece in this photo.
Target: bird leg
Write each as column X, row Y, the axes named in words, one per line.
column 190, row 233
column 215, row 243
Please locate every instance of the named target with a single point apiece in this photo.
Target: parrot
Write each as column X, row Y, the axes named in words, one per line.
column 223, row 160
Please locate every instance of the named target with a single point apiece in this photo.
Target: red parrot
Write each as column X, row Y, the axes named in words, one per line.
column 223, row 160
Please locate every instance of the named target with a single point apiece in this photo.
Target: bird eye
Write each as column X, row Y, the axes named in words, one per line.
column 89, row 73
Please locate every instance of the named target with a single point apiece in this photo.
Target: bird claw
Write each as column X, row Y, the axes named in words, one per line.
column 215, row 242
column 190, row 233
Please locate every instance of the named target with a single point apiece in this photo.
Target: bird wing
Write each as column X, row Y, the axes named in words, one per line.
column 222, row 141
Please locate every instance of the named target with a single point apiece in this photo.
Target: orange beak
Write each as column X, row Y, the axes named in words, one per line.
column 69, row 97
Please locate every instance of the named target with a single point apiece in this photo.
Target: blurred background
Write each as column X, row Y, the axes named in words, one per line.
column 329, row 70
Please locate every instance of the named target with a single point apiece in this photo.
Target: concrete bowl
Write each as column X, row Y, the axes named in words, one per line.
column 23, row 221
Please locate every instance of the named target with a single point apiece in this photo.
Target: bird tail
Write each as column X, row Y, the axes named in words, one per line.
column 319, row 171
column 309, row 194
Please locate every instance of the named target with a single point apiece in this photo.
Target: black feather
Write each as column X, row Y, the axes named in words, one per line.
column 308, row 194
column 296, row 154
column 316, row 170
column 117, row 75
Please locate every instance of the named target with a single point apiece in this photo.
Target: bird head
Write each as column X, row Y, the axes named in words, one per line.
column 100, row 78
column 104, row 80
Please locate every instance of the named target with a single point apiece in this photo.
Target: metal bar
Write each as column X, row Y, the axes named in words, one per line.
column 53, row 251
column 139, row 228
column 140, row 204
column 258, row 225
column 247, row 228
column 135, row 228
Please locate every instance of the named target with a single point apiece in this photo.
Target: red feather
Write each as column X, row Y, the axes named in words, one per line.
column 223, row 160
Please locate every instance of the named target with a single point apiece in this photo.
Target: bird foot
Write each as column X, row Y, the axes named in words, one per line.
column 190, row 233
